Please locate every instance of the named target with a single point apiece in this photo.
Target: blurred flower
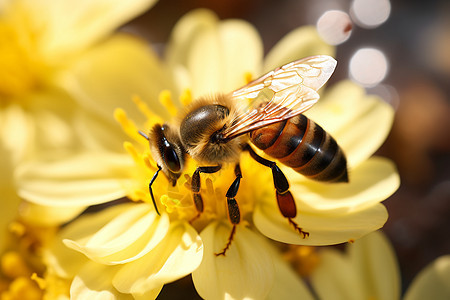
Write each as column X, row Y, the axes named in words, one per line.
column 23, row 275
column 40, row 41
column 368, row 270
column 129, row 249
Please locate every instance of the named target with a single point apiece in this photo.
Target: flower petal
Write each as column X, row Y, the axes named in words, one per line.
column 246, row 270
column 16, row 130
column 71, row 27
column 367, row 271
column 373, row 259
column 216, row 54
column 66, row 262
column 324, row 228
column 81, row 180
column 288, row 284
column 369, row 183
column 299, row 43
column 185, row 30
column 432, row 282
column 108, row 76
column 48, row 215
column 177, row 255
column 360, row 123
column 127, row 237
column 335, row 279
column 94, row 282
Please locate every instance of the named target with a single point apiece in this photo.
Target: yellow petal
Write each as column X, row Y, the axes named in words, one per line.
column 335, row 278
column 110, row 75
column 367, row 271
column 324, row 228
column 373, row 259
column 81, row 180
column 94, row 282
column 186, row 29
column 127, row 237
column 299, row 43
column 288, row 284
column 71, row 27
column 432, row 282
column 246, row 270
column 360, row 123
column 48, row 215
column 369, row 183
column 16, row 131
column 176, row 256
column 65, row 261
column 220, row 56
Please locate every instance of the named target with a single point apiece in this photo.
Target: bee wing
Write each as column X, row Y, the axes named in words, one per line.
column 280, row 94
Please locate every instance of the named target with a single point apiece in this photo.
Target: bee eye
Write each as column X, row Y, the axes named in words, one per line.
column 171, row 158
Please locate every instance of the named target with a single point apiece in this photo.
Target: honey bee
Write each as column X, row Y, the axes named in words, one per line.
column 267, row 113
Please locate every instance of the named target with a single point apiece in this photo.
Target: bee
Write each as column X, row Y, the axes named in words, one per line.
column 266, row 113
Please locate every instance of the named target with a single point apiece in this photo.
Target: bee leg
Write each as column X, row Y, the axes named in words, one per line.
column 233, row 208
column 195, row 187
column 285, row 200
column 151, row 190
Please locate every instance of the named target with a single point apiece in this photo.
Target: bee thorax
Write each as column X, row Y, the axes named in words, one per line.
column 200, row 135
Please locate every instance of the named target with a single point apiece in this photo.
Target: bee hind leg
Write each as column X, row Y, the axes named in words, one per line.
column 195, row 187
column 233, row 208
column 285, row 200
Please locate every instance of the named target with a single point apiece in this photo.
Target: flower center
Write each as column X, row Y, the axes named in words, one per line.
column 177, row 200
column 18, row 66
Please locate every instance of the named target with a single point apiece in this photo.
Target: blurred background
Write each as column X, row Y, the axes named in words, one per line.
column 397, row 49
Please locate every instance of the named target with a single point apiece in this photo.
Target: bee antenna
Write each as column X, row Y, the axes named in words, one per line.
column 143, row 134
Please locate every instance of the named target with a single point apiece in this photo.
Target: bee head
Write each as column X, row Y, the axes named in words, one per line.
column 168, row 151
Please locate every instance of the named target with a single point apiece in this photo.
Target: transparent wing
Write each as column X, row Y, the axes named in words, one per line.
column 280, row 94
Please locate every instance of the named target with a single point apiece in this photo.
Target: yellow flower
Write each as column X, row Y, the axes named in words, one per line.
column 369, row 270
column 40, row 41
column 129, row 249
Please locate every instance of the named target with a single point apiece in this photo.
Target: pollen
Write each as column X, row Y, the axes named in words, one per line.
column 165, row 97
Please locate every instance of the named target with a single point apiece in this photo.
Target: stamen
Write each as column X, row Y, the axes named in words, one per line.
column 17, row 228
column 13, row 265
column 248, row 77
column 186, row 97
column 39, row 280
column 145, row 110
column 149, row 163
column 129, row 147
column 128, row 125
column 165, row 97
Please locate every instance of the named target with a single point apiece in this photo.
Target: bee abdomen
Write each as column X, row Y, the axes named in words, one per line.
column 304, row 146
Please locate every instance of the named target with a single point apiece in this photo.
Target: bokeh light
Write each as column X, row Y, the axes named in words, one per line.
column 370, row 13
column 368, row 66
column 334, row 26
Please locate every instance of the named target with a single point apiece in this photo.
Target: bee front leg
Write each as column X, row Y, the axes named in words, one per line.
column 285, row 200
column 151, row 190
column 195, row 187
column 233, row 208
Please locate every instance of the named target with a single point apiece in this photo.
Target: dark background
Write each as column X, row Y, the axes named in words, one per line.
column 416, row 42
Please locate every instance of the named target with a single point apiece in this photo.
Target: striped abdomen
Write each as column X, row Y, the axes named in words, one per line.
column 304, row 146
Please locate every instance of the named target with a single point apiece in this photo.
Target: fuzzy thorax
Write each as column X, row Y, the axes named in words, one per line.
column 203, row 120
